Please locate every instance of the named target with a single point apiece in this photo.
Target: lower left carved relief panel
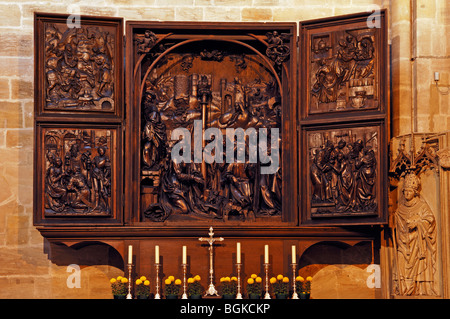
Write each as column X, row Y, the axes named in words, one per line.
column 79, row 172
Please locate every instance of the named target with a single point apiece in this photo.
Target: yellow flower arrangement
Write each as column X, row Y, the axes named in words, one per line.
column 280, row 285
column 119, row 286
column 228, row 286
column 142, row 288
column 194, row 287
column 172, row 287
column 254, row 286
column 303, row 286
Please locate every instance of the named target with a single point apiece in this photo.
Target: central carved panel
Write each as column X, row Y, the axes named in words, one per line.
column 210, row 132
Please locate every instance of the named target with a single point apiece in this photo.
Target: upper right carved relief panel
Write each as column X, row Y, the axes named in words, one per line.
column 342, row 66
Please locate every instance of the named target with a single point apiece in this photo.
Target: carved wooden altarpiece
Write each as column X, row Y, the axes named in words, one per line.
column 107, row 128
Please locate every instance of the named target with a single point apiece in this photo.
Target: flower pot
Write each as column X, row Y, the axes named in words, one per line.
column 304, row 295
column 172, row 297
column 228, row 296
column 119, row 296
column 281, row 296
column 254, row 296
column 195, row 296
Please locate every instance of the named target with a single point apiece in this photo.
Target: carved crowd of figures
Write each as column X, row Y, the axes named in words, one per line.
column 78, row 177
column 216, row 190
column 343, row 75
column 343, row 177
column 79, row 68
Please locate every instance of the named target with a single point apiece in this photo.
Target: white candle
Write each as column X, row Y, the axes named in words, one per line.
column 266, row 254
column 238, row 253
column 156, row 254
column 184, row 254
column 293, row 254
column 130, row 254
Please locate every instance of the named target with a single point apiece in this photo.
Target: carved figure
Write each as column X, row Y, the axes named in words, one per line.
column 277, row 51
column 146, row 43
column 100, row 176
column 154, row 135
column 414, row 242
column 55, row 190
column 81, row 185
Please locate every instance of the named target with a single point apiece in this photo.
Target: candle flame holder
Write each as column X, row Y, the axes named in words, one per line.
column 184, row 296
column 266, row 270
column 157, row 295
column 294, row 283
column 130, row 267
column 239, row 294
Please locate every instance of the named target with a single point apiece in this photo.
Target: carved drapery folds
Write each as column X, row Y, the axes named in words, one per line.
column 415, row 246
column 413, row 223
column 221, row 84
column 77, row 172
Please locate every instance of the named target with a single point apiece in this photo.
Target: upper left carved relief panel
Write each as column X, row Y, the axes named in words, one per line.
column 78, row 67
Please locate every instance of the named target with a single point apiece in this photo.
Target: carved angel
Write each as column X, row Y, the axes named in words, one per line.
column 146, row 42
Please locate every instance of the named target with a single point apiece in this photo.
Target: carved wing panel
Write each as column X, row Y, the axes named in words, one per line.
column 78, row 176
column 343, row 120
column 78, row 120
column 344, row 66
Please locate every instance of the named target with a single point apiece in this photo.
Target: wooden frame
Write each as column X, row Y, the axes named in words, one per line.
column 240, row 34
column 354, row 178
column 344, row 69
column 79, row 98
column 352, row 55
column 79, row 203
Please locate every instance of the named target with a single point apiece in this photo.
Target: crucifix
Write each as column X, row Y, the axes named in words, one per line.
column 211, row 291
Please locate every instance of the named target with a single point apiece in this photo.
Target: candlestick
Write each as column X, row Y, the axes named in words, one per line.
column 130, row 266
column 266, row 254
column 239, row 294
column 156, row 254
column 238, row 253
column 266, row 269
column 184, row 254
column 294, row 283
column 293, row 255
column 130, row 254
column 184, row 296
column 157, row 295
column 211, row 291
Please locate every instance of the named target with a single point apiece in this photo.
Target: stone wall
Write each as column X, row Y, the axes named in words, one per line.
column 27, row 272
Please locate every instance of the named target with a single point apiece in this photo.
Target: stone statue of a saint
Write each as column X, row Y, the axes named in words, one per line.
column 414, row 243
